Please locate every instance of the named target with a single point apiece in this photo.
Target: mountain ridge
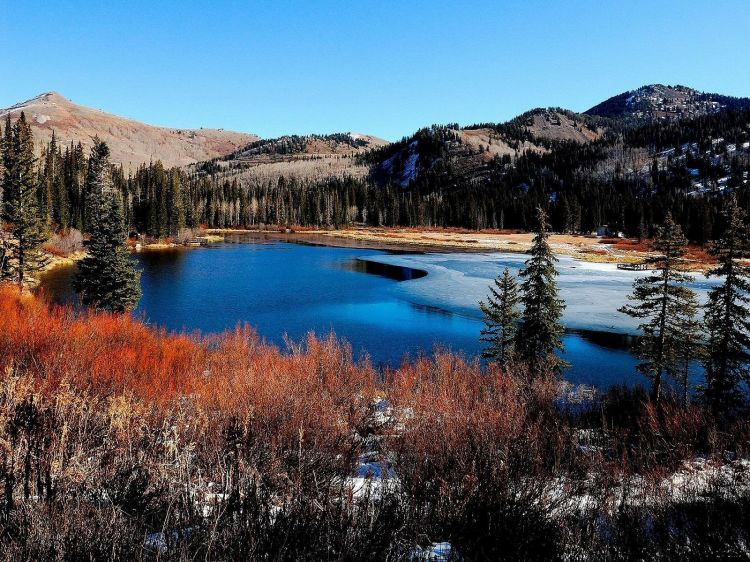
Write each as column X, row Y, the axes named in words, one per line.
column 131, row 142
column 660, row 102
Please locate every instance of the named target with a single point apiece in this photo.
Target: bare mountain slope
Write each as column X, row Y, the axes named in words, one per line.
column 132, row 143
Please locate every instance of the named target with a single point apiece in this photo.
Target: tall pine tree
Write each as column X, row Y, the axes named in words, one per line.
column 107, row 278
column 21, row 210
column 500, row 316
column 667, row 307
column 4, row 238
column 540, row 332
column 727, row 314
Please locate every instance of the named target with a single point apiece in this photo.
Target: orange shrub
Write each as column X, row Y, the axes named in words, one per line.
column 113, row 354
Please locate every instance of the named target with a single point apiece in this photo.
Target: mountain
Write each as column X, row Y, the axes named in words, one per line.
column 659, row 102
column 625, row 164
column 471, row 152
column 131, row 143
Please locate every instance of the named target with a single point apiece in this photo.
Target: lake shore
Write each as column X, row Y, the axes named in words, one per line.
column 55, row 261
column 585, row 248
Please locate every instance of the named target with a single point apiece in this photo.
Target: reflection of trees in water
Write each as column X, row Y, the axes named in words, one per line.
column 395, row 272
column 56, row 285
column 609, row 340
column 427, row 309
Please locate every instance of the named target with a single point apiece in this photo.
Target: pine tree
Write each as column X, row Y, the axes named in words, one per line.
column 107, row 278
column 28, row 230
column 500, row 316
column 8, row 157
column 727, row 315
column 4, row 242
column 668, row 308
column 176, row 204
column 540, row 333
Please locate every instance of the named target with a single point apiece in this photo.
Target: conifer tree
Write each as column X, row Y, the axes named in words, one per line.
column 107, row 278
column 175, row 204
column 727, row 314
column 28, row 230
column 500, row 316
column 4, row 243
column 540, row 332
column 8, row 157
column 667, row 307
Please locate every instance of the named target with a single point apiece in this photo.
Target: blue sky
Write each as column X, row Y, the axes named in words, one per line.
column 384, row 68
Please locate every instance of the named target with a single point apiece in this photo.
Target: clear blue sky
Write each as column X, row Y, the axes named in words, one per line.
column 381, row 67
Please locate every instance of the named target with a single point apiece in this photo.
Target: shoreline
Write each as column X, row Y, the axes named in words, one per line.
column 55, row 262
column 584, row 248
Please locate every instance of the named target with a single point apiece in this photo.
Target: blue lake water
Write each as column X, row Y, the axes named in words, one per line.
column 386, row 305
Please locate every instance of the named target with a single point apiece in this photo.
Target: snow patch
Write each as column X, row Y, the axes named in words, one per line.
column 436, row 552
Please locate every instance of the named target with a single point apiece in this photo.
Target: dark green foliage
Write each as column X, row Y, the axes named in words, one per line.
column 22, row 254
column 667, row 307
column 294, row 144
column 540, row 333
column 107, row 278
column 727, row 316
column 500, row 316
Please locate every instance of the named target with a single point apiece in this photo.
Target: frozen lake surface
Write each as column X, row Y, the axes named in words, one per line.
column 592, row 291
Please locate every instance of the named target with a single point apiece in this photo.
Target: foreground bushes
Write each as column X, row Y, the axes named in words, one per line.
column 118, row 441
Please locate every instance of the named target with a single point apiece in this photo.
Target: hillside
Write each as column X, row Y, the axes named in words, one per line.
column 290, row 146
column 474, row 151
column 131, row 143
column 305, row 157
column 617, row 167
column 586, row 170
column 659, row 102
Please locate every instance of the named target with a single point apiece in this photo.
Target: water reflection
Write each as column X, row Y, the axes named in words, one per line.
column 395, row 272
column 428, row 309
column 57, row 285
column 609, row 340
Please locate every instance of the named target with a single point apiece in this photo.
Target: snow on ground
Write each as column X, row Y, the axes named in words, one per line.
column 409, row 172
column 410, row 169
column 436, row 552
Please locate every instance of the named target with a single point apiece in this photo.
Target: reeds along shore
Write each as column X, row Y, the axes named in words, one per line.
column 119, row 441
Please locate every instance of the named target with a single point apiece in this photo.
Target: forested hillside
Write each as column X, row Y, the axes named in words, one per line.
column 585, row 170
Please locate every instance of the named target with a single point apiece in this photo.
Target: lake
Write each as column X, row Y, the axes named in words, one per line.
column 388, row 305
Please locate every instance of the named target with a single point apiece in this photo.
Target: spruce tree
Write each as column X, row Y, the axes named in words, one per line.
column 727, row 316
column 28, row 230
column 4, row 243
column 540, row 332
column 176, row 204
column 107, row 278
column 667, row 307
column 8, row 157
column 500, row 316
